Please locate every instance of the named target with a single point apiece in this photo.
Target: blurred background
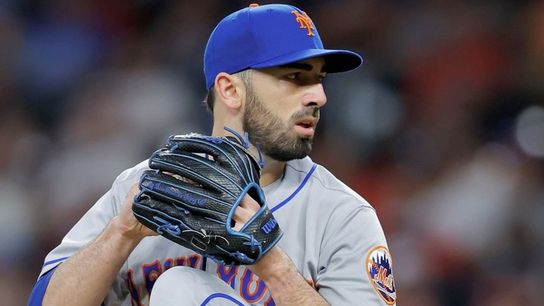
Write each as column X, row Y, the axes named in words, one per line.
column 442, row 129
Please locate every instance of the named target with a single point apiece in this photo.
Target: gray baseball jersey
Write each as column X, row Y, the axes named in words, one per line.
column 331, row 234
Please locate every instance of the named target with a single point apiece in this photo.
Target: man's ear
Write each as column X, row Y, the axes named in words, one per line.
column 229, row 90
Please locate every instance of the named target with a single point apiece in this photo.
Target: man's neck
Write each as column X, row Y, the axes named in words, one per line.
column 273, row 169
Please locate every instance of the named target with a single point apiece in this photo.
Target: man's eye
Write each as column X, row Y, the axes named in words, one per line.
column 293, row 76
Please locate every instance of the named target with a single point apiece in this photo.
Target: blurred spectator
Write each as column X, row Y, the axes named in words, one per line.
column 115, row 120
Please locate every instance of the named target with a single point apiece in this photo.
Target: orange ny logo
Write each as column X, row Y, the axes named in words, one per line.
column 304, row 21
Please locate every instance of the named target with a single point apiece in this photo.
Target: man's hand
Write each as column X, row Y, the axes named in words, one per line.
column 247, row 208
column 126, row 223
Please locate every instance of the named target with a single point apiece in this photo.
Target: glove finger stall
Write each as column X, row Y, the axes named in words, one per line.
column 197, row 169
column 184, row 196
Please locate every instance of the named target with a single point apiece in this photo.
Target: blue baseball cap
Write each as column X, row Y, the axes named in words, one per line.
column 267, row 36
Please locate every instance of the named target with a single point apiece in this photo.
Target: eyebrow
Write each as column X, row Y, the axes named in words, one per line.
column 301, row 66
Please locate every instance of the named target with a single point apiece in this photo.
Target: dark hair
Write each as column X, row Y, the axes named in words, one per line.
column 209, row 99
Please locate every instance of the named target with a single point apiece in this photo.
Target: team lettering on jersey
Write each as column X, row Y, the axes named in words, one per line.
column 248, row 285
column 152, row 271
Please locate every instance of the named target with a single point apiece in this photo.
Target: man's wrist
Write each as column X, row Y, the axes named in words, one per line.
column 122, row 235
column 287, row 286
column 274, row 266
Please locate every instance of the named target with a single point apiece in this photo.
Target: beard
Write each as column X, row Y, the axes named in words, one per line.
column 274, row 137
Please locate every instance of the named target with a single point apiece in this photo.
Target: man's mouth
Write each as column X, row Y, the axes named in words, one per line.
column 306, row 126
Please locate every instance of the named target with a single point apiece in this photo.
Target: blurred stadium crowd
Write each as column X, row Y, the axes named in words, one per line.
column 442, row 129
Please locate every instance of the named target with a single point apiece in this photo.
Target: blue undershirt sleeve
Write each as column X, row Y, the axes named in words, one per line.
column 38, row 292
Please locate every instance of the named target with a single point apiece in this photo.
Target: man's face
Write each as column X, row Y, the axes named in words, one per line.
column 282, row 108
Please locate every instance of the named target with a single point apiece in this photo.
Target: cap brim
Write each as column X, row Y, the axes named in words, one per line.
column 335, row 60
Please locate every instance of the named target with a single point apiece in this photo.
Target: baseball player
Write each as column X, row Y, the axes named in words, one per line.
column 264, row 67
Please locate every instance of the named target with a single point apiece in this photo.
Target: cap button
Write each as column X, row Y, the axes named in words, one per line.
column 253, row 5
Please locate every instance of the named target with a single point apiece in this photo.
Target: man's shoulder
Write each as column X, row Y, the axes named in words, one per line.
column 324, row 183
column 133, row 174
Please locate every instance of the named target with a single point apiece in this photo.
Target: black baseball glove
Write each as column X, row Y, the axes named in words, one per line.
column 191, row 192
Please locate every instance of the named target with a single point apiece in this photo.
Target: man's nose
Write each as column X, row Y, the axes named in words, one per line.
column 315, row 96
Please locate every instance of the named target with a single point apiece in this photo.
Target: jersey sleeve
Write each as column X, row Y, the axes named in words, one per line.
column 355, row 267
column 93, row 221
